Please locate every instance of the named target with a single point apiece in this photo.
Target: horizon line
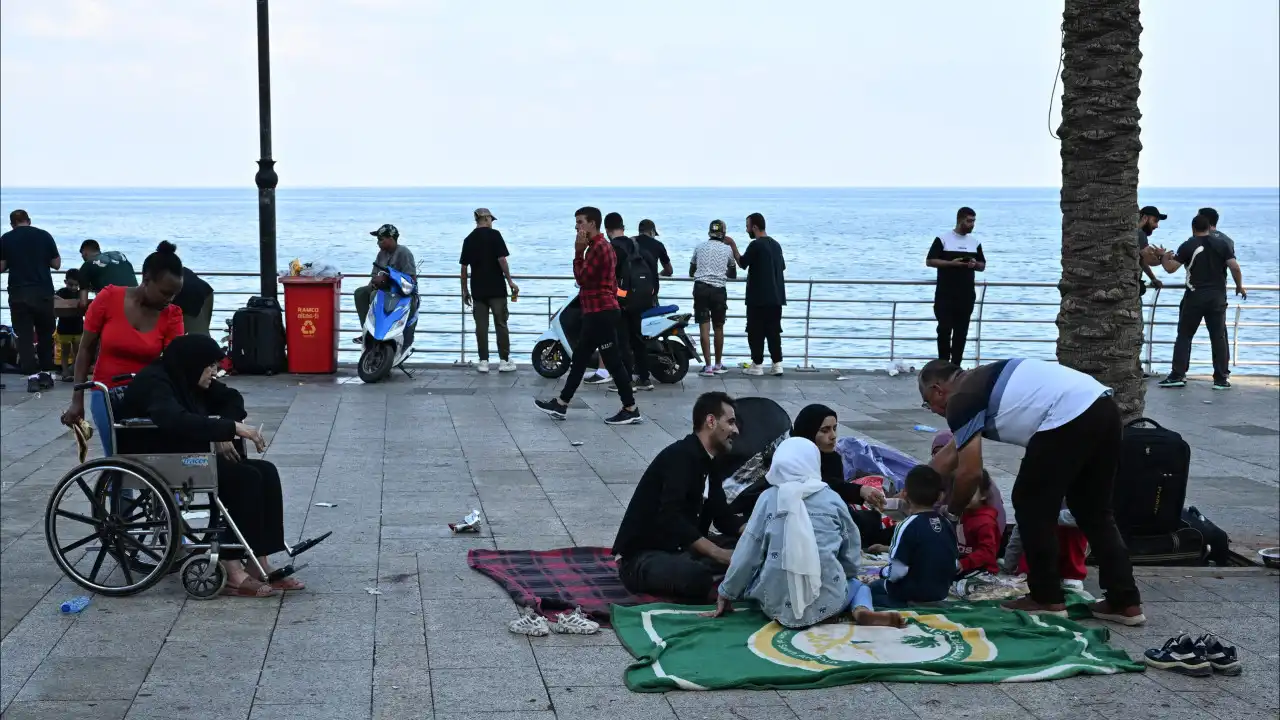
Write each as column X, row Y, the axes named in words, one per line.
column 251, row 187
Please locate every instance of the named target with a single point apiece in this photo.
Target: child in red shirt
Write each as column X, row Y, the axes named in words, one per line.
column 978, row 536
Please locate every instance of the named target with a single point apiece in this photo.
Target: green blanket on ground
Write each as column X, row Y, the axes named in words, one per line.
column 676, row 648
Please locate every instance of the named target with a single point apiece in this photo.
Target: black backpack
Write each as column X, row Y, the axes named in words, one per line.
column 1151, row 482
column 635, row 277
column 258, row 339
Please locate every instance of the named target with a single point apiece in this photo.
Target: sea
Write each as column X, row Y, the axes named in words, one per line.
column 858, row 289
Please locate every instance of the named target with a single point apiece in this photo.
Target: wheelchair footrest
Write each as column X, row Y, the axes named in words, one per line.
column 306, row 545
column 284, row 572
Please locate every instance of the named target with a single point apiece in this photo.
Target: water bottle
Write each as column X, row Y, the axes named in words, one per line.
column 75, row 605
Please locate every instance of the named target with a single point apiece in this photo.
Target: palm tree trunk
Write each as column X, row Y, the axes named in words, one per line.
column 1100, row 328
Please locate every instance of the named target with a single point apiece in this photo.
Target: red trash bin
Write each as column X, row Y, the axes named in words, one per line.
column 311, row 308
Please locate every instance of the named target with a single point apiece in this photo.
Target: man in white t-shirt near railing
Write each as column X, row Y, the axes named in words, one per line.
column 711, row 268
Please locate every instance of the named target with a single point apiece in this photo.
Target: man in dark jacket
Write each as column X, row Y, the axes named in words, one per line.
column 766, row 294
column 662, row 544
column 29, row 255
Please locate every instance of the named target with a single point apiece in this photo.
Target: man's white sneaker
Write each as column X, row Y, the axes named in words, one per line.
column 482, row 366
column 753, row 369
column 529, row 624
column 575, row 623
column 777, row 369
column 506, row 366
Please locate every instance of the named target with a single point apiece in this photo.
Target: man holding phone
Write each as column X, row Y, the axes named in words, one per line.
column 594, row 267
column 957, row 256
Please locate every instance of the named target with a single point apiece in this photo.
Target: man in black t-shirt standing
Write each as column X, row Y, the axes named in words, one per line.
column 485, row 252
column 649, row 243
column 1206, row 257
column 957, row 256
column 29, row 254
column 766, row 294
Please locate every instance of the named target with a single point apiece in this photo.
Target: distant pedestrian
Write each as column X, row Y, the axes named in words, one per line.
column 29, row 255
column 1211, row 215
column 1149, row 219
column 648, row 240
column 485, row 252
column 766, row 294
column 957, row 255
column 196, row 302
column 637, row 277
column 101, row 269
column 595, row 268
column 711, row 267
column 70, row 327
column 1206, row 257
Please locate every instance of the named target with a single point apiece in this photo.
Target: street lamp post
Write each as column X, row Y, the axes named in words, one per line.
column 266, row 178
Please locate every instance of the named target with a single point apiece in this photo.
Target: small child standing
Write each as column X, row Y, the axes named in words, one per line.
column 922, row 556
column 1073, row 550
column 70, row 328
column 979, row 534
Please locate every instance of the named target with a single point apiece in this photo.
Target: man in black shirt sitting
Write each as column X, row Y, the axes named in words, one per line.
column 1206, row 257
column 663, row 545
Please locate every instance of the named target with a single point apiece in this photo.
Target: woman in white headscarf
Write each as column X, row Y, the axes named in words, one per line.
column 798, row 556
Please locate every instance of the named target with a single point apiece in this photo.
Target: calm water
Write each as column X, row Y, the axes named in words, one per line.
column 862, row 234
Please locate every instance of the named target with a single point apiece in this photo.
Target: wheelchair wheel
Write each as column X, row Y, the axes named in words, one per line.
column 96, row 543
column 201, row 581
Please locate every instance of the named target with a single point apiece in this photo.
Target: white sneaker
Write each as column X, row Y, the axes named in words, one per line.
column 753, row 369
column 777, row 369
column 708, row 371
column 506, row 366
column 482, row 366
column 529, row 624
column 575, row 623
column 720, row 369
column 1073, row 585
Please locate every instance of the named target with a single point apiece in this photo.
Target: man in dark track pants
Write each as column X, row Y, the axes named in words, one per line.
column 1207, row 257
column 957, row 256
column 635, row 355
column 29, row 255
column 1070, row 426
column 595, row 268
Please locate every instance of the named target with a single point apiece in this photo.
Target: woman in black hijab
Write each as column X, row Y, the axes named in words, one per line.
column 818, row 424
column 179, row 394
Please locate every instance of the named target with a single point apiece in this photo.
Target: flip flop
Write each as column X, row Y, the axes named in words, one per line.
column 250, row 588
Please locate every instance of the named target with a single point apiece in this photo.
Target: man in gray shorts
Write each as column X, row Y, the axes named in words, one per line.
column 710, row 269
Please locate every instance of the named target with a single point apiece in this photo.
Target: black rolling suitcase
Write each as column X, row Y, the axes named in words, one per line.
column 1151, row 482
column 258, row 339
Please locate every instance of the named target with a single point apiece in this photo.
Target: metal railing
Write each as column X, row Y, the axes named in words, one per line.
column 832, row 314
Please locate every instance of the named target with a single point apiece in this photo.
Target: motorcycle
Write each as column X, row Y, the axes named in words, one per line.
column 388, row 329
column 668, row 345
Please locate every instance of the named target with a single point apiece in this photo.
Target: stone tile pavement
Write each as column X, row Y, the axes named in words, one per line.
column 402, row 459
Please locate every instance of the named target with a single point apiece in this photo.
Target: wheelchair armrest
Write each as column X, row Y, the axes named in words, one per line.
column 130, row 423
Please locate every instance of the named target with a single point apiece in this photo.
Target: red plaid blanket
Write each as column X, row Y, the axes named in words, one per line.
column 551, row 581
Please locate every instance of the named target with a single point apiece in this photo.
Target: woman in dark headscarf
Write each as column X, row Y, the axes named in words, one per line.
column 179, row 394
column 817, row 423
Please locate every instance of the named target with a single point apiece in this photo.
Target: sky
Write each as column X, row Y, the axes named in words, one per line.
column 139, row 93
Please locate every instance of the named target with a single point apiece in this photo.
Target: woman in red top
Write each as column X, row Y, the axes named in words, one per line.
column 127, row 329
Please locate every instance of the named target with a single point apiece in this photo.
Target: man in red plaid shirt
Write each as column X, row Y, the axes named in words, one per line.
column 594, row 267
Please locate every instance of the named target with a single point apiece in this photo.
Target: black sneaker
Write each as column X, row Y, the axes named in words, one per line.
column 635, row 387
column 1221, row 657
column 46, row 381
column 596, row 379
column 1173, row 382
column 552, row 408
column 1181, row 655
column 624, row 417
column 1221, row 384
column 33, row 383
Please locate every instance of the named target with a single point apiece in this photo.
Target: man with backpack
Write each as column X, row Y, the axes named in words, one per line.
column 637, row 292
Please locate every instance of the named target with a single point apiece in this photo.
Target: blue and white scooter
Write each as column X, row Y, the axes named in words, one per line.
column 388, row 329
column 663, row 327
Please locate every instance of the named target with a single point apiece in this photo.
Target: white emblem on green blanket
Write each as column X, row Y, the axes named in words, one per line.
column 928, row 638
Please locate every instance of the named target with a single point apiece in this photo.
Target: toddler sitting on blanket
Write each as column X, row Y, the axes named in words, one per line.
column 922, row 556
column 1073, row 548
column 979, row 533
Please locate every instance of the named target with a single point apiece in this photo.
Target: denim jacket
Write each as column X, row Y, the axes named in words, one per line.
column 756, row 570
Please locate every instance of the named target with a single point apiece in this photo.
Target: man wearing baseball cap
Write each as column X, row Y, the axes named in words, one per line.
column 485, row 252
column 391, row 254
column 649, row 243
column 1149, row 219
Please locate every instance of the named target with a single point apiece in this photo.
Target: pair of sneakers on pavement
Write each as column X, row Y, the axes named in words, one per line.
column 570, row 623
column 504, row 366
column 1199, row 657
column 758, row 370
column 713, row 370
column 557, row 411
column 40, row 382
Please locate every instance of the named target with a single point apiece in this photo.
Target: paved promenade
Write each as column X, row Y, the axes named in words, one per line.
column 401, row 459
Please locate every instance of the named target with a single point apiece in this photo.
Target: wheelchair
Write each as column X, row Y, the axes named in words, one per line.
column 119, row 524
